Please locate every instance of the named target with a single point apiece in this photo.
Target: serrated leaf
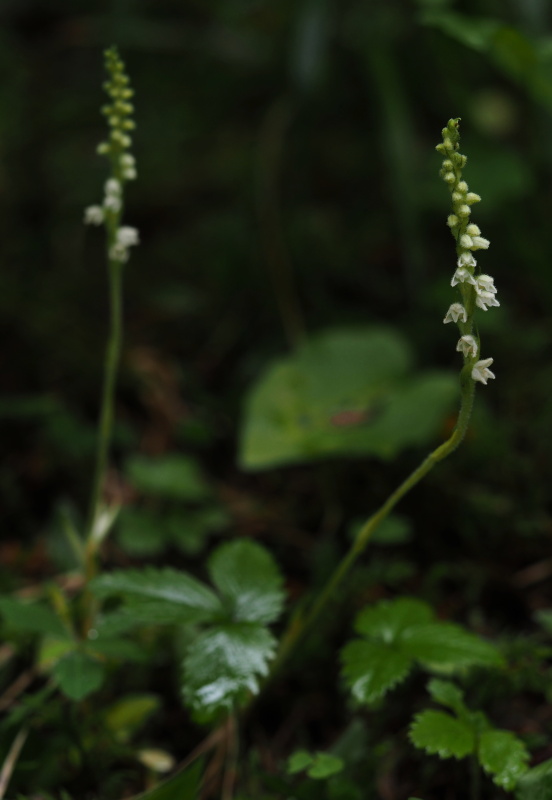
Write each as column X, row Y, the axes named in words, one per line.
column 31, row 617
column 445, row 643
column 324, row 765
column 177, row 589
column 344, row 391
column 439, row 733
column 448, row 694
column 371, row 669
column 224, row 663
column 184, row 785
column 249, row 580
column 173, row 476
column 389, row 618
column 78, row 674
column 298, row 761
column 536, row 784
column 503, row 755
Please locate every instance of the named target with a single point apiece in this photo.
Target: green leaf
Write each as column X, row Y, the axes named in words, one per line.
column 437, row 732
column 118, row 649
column 223, row 665
column 141, row 533
column 173, row 476
column 503, row 755
column 324, row 765
column 445, row 643
column 347, row 392
column 184, row 785
column 78, row 674
column 536, row 784
column 179, row 592
column 477, row 33
column 371, row 669
column 31, row 617
column 125, row 717
column 249, row 581
column 448, row 694
column 388, row 619
column 298, row 761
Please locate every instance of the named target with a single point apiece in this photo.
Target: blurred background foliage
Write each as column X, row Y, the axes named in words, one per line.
column 287, row 184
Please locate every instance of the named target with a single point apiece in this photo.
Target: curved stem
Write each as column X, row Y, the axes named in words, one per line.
column 301, row 625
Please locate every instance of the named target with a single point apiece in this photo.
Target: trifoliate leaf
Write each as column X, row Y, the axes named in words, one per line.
column 386, row 620
column 503, row 755
column 536, row 784
column 437, row 732
column 249, row 580
column 31, row 617
column 223, row 665
column 445, row 643
column 78, row 674
column 178, row 590
column 371, row 669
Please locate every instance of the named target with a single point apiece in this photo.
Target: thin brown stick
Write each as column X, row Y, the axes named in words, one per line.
column 11, row 760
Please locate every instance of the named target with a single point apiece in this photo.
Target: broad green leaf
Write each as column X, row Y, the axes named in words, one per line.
column 176, row 589
column 448, row 694
column 536, row 784
column 324, row 765
column 503, row 755
column 173, row 476
column 223, row 665
column 249, row 581
column 371, row 669
column 31, row 617
column 437, row 732
column 389, row 618
column 346, row 392
column 445, row 643
column 78, row 674
column 185, row 785
column 298, row 761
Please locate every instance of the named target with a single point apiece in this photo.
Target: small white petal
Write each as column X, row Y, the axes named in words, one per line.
column 466, row 259
column 485, row 283
column 113, row 187
column 473, row 230
column 93, row 215
column 479, row 243
column 466, row 241
column 481, row 371
column 462, row 275
column 127, row 236
column 456, row 312
column 467, row 346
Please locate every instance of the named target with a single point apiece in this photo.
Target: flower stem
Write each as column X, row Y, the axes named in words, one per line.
column 300, row 625
column 111, row 364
